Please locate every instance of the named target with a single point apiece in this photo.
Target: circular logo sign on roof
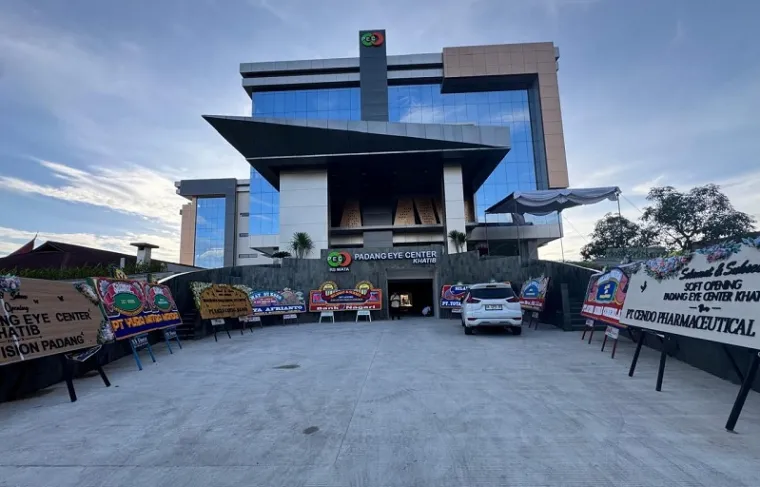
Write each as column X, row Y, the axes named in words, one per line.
column 372, row 39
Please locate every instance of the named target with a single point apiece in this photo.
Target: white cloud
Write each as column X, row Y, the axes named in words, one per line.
column 168, row 244
column 131, row 189
column 644, row 187
column 212, row 253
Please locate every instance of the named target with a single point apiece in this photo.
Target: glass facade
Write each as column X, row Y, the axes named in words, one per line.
column 325, row 104
column 517, row 171
column 209, row 232
column 332, row 104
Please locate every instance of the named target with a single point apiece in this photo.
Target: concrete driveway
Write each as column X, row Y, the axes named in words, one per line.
column 409, row 403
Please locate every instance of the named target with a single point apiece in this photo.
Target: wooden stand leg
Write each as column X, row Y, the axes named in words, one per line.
column 635, row 360
column 591, row 335
column 67, row 376
column 168, row 345
column 227, row 330
column 150, row 351
column 604, row 342
column 661, row 370
column 103, row 376
column 136, row 356
column 614, row 347
column 749, row 379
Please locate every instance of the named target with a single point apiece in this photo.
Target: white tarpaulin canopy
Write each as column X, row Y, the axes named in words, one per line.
column 546, row 201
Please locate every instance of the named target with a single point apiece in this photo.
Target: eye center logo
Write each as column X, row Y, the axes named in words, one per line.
column 372, row 39
column 339, row 261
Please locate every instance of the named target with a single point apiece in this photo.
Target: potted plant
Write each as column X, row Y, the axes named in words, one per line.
column 459, row 239
column 301, row 245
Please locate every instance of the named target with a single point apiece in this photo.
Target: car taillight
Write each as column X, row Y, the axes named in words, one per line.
column 473, row 300
column 513, row 299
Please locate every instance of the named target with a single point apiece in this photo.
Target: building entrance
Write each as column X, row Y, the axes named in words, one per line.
column 415, row 294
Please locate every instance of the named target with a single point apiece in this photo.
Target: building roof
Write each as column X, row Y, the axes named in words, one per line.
column 57, row 255
column 273, row 144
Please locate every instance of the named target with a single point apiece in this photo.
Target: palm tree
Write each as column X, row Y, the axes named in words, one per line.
column 302, row 245
column 458, row 239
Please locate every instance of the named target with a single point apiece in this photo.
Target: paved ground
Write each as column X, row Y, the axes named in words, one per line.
column 384, row 404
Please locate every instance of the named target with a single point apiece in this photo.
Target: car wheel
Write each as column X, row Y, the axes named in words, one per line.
column 467, row 330
column 517, row 330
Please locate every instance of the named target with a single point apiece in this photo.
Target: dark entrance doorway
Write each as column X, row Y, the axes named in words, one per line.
column 415, row 295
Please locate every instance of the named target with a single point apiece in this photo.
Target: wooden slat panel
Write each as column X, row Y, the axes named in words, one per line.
column 425, row 210
column 404, row 212
column 352, row 216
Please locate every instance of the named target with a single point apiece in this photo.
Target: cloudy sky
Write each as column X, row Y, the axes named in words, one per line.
column 101, row 101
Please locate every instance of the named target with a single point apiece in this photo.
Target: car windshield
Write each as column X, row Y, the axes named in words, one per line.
column 492, row 293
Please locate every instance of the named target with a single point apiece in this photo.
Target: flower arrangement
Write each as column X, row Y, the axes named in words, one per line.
column 721, row 251
column 9, row 284
column 197, row 288
column 752, row 242
column 665, row 267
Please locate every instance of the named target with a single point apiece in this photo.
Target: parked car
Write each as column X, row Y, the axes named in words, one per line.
column 491, row 305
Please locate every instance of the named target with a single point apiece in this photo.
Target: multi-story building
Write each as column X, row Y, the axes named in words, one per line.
column 382, row 151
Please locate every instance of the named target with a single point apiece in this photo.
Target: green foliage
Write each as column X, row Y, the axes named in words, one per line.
column 615, row 232
column 301, row 245
column 703, row 213
column 82, row 272
column 459, row 239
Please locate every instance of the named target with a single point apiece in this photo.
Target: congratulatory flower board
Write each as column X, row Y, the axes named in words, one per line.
column 713, row 294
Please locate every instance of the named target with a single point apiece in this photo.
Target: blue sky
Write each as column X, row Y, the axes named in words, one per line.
column 102, row 101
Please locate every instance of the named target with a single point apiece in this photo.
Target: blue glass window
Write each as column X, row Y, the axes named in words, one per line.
column 209, row 232
column 426, row 104
column 322, row 104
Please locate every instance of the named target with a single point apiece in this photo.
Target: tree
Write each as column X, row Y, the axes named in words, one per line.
column 301, row 245
column 613, row 232
column 704, row 213
column 459, row 239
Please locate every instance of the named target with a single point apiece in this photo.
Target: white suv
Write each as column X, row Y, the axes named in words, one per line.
column 494, row 305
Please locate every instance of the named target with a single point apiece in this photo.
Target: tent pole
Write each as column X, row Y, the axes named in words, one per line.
column 620, row 221
column 488, row 249
column 562, row 235
column 519, row 240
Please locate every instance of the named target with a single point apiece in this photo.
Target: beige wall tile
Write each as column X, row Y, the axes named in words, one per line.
column 453, row 72
column 479, row 70
column 504, row 59
column 466, row 71
column 478, row 60
column 547, row 68
column 492, row 58
column 556, row 159
column 558, row 179
column 549, row 103
column 517, row 58
column 478, row 49
column 531, row 68
column 495, row 70
column 465, row 60
column 549, row 116
column 545, row 56
column 554, row 141
column 451, row 60
column 552, row 128
column 530, row 57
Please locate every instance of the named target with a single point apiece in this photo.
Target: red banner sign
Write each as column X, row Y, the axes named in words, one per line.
column 345, row 300
column 605, row 296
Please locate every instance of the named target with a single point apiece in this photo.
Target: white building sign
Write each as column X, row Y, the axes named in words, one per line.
column 417, row 257
column 713, row 295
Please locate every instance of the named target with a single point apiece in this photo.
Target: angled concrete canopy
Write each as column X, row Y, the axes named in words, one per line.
column 273, row 144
